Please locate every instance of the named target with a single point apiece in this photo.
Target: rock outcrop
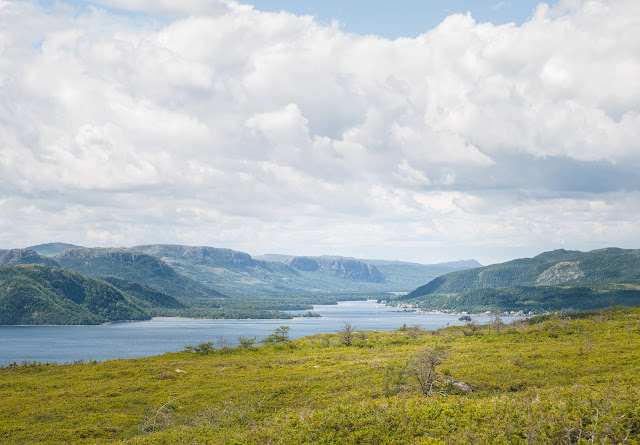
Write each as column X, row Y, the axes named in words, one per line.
column 348, row 268
column 15, row 257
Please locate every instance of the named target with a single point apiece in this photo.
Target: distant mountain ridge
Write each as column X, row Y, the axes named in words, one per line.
column 459, row 264
column 52, row 249
column 349, row 268
column 134, row 266
column 210, row 269
column 398, row 275
column 212, row 256
column 226, row 258
column 238, row 273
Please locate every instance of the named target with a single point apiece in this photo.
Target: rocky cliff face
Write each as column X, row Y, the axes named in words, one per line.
column 14, row 257
column 562, row 272
column 304, row 263
column 201, row 254
column 348, row 268
column 136, row 266
column 109, row 262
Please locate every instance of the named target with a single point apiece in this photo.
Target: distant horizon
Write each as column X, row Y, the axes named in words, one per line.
column 253, row 255
column 256, row 255
column 424, row 132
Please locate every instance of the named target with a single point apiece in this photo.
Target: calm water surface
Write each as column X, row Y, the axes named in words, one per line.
column 64, row 344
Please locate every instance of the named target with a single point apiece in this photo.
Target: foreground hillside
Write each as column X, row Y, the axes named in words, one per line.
column 549, row 380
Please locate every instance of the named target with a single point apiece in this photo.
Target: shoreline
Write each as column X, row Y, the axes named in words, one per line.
column 415, row 311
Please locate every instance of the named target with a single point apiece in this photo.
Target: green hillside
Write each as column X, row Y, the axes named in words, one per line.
column 145, row 296
column 234, row 273
column 535, row 299
column 548, row 380
column 36, row 294
column 137, row 267
column 549, row 268
column 554, row 280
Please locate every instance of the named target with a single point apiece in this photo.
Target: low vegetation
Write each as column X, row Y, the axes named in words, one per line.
column 550, row 379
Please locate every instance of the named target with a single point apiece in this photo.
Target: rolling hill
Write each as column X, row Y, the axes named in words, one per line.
column 554, row 280
column 36, row 294
column 145, row 296
column 136, row 267
column 239, row 274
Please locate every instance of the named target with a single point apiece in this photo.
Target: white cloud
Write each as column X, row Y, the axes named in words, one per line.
column 267, row 131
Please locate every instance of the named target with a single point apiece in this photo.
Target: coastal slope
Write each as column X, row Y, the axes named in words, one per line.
column 556, row 280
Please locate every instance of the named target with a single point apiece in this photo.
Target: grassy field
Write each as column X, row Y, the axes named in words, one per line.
column 557, row 380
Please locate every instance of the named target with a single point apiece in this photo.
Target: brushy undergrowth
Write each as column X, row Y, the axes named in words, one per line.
column 558, row 380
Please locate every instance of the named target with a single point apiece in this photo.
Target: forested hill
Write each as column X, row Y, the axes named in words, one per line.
column 137, row 267
column 203, row 272
column 558, row 280
column 558, row 267
column 35, row 294
column 144, row 295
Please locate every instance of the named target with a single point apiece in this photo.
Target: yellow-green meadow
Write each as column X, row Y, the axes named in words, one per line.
column 554, row 379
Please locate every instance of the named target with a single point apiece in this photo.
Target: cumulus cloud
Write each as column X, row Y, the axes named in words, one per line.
column 219, row 124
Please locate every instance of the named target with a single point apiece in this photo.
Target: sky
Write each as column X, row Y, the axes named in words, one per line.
column 416, row 131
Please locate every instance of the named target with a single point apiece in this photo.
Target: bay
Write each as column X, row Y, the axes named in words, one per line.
column 66, row 344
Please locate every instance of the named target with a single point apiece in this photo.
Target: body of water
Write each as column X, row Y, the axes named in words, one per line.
column 65, row 344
